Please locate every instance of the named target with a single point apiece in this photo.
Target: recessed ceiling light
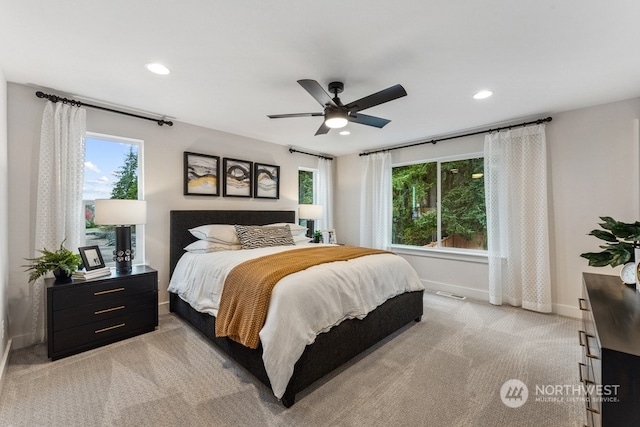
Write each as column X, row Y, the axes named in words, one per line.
column 483, row 94
column 345, row 132
column 156, row 68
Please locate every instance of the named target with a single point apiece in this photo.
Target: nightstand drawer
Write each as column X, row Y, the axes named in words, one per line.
column 88, row 314
column 105, row 331
column 103, row 290
column 81, row 315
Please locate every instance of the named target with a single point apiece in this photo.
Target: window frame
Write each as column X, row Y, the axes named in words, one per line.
column 472, row 255
column 140, row 252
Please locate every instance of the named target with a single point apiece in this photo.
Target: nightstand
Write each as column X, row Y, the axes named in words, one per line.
column 87, row 314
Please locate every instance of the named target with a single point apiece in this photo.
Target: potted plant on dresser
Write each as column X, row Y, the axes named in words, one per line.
column 621, row 247
column 61, row 262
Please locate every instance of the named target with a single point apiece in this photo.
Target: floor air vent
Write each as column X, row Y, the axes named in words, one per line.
column 449, row 295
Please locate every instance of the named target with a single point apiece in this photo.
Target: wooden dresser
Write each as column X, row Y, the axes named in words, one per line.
column 610, row 339
column 87, row 314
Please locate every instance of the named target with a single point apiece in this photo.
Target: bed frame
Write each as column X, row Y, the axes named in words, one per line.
column 329, row 351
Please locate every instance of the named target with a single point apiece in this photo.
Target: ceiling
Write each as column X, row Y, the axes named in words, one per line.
column 232, row 63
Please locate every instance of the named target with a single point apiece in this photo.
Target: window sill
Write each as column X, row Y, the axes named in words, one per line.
column 467, row 255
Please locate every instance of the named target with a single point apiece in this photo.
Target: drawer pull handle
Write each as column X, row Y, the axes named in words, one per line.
column 590, row 409
column 109, row 291
column 109, row 328
column 107, row 310
column 580, row 306
column 580, row 334
column 586, row 344
column 582, row 380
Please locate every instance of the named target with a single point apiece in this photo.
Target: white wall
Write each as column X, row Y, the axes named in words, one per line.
column 593, row 158
column 4, row 241
column 163, row 182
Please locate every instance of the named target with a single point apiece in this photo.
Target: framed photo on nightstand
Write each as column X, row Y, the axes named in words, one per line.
column 329, row 236
column 91, row 257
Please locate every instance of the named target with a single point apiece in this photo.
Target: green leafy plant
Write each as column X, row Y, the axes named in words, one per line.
column 621, row 239
column 317, row 236
column 61, row 259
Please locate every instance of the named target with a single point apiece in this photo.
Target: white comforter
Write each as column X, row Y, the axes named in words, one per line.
column 302, row 304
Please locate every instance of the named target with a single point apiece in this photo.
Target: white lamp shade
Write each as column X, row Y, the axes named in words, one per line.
column 310, row 211
column 120, row 212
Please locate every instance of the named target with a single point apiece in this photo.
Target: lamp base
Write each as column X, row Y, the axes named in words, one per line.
column 123, row 254
column 310, row 228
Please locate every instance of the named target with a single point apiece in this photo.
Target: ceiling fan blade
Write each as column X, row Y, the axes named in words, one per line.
column 284, row 116
column 315, row 90
column 364, row 119
column 322, row 130
column 385, row 95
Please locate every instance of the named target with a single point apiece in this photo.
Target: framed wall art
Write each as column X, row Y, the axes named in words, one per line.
column 266, row 181
column 238, row 178
column 201, row 174
column 91, row 257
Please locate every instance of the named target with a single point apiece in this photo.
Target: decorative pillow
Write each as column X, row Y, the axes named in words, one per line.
column 220, row 233
column 205, row 246
column 295, row 228
column 255, row 236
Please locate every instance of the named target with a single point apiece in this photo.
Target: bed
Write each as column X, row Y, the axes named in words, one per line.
column 328, row 351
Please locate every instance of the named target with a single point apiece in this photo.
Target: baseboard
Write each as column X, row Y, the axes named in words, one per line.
column 483, row 295
column 163, row 308
column 567, row 310
column 434, row 287
column 4, row 363
column 22, row 341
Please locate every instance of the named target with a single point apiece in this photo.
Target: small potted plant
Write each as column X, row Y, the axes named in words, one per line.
column 317, row 237
column 62, row 262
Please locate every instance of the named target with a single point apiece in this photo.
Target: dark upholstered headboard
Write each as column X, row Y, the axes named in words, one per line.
column 182, row 221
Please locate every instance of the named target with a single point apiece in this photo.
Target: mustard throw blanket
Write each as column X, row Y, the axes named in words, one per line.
column 247, row 289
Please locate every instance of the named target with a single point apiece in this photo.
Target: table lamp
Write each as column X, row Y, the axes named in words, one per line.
column 310, row 213
column 123, row 214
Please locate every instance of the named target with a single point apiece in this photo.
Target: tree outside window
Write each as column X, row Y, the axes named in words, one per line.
column 111, row 172
column 458, row 186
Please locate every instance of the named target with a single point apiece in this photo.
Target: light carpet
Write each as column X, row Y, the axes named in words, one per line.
column 447, row 370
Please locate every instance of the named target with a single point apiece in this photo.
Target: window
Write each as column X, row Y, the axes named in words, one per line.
column 440, row 204
column 306, row 186
column 112, row 171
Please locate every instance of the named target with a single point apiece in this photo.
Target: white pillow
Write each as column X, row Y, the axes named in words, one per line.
column 301, row 238
column 295, row 228
column 205, row 246
column 220, row 233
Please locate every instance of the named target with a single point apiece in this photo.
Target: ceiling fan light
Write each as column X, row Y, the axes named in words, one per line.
column 335, row 120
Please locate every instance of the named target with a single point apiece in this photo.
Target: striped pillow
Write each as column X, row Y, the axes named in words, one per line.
column 255, row 236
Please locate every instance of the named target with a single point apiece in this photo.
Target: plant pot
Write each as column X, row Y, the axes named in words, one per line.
column 61, row 276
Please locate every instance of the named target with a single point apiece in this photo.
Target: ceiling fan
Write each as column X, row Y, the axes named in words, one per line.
column 336, row 114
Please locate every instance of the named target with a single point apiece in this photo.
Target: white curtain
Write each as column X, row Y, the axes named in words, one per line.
column 516, row 197
column 59, row 211
column 375, row 202
column 324, row 193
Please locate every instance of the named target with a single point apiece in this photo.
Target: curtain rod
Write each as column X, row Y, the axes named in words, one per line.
column 55, row 98
column 433, row 141
column 293, row 150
